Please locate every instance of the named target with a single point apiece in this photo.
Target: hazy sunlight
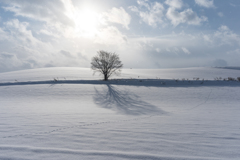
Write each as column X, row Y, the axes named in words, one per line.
column 86, row 22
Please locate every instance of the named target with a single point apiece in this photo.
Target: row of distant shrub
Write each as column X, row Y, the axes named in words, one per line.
column 216, row 79
column 183, row 79
column 227, row 79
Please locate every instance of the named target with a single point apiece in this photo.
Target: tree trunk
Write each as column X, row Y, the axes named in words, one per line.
column 105, row 77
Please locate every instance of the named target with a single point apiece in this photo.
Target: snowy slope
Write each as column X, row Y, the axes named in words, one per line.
column 71, row 73
column 169, row 121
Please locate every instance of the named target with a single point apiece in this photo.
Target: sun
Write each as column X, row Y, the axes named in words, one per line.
column 85, row 18
column 86, row 22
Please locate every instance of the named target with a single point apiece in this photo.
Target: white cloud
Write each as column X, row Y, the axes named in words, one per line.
column 49, row 33
column 236, row 51
column 9, row 61
column 144, row 3
column 186, row 16
column 223, row 28
column 19, row 32
column 233, row 5
column 174, row 3
column 67, row 54
column 158, row 50
column 220, row 14
column 52, row 13
column 205, row 3
column 110, row 36
column 22, row 50
column 168, row 50
column 185, row 50
column 153, row 13
column 206, row 46
column 3, row 34
column 55, row 42
column 52, row 40
column 222, row 37
column 227, row 36
column 207, row 38
column 119, row 16
column 44, row 10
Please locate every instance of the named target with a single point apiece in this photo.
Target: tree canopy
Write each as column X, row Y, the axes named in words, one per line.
column 106, row 63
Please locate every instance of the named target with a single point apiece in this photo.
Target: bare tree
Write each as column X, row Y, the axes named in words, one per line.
column 106, row 63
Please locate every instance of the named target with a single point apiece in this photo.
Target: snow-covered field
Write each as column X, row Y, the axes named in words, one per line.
column 143, row 114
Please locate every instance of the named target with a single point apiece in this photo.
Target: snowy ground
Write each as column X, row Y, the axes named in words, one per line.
column 81, row 117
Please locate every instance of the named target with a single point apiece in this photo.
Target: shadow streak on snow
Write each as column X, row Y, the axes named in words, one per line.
column 134, row 82
column 88, row 154
column 124, row 102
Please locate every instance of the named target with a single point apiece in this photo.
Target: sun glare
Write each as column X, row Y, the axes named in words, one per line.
column 86, row 22
column 86, row 19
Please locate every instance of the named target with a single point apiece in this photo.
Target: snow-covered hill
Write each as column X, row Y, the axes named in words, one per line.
column 144, row 115
column 71, row 73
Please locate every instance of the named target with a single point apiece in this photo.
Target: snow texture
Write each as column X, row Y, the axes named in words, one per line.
column 143, row 114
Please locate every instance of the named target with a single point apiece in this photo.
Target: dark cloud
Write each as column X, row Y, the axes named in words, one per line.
column 10, row 62
column 67, row 54
column 6, row 55
column 81, row 56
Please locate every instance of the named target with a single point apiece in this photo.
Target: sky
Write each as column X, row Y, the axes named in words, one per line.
column 144, row 33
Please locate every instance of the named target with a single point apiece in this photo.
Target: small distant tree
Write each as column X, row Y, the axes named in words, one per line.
column 106, row 63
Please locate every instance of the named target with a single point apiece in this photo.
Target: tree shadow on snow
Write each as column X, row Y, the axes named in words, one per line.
column 124, row 102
